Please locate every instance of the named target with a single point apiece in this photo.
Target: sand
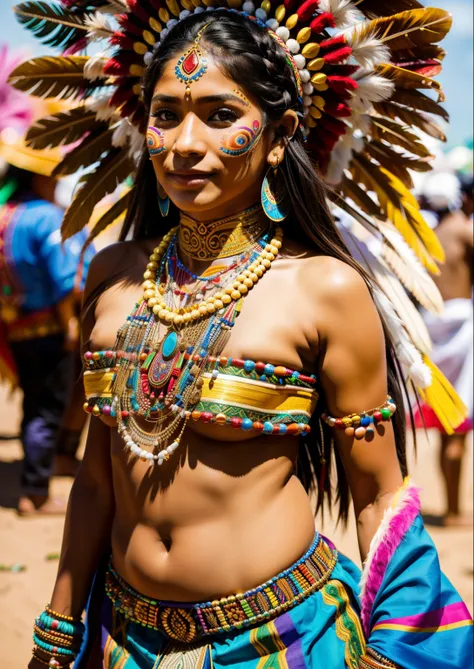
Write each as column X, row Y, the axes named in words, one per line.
column 29, row 542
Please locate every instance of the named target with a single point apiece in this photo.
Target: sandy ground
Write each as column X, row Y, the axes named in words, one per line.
column 29, row 542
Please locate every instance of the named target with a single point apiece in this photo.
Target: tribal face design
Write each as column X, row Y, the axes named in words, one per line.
column 241, row 139
column 155, row 141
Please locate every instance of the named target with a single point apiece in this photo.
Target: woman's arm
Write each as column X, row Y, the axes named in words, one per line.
column 354, row 378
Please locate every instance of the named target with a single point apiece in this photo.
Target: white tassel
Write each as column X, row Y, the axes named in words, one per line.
column 101, row 107
column 409, row 356
column 94, row 68
column 344, row 12
column 121, row 133
column 368, row 51
column 371, row 88
column 99, row 27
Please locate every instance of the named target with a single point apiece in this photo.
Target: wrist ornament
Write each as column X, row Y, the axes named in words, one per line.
column 57, row 637
column 358, row 425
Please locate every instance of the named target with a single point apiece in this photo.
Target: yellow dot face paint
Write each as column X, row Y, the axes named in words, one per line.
column 239, row 93
column 241, row 140
column 155, row 141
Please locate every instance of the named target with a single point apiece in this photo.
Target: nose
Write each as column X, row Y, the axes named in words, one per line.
column 190, row 141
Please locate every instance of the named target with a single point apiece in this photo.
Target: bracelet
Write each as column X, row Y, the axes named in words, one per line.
column 52, row 662
column 58, row 616
column 74, row 628
column 55, row 639
column 359, row 424
column 54, row 650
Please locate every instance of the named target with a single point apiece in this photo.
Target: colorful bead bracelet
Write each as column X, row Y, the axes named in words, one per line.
column 58, row 636
column 359, row 424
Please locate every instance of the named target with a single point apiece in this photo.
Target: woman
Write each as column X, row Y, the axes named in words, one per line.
column 193, row 481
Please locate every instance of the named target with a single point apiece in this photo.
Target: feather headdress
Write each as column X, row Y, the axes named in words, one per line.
column 364, row 67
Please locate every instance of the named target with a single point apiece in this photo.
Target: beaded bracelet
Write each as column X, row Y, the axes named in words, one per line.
column 58, row 616
column 358, row 425
column 52, row 662
column 51, row 623
column 55, row 650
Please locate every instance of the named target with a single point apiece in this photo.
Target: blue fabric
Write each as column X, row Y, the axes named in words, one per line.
column 43, row 265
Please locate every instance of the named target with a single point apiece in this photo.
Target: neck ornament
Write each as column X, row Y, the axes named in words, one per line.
column 221, row 238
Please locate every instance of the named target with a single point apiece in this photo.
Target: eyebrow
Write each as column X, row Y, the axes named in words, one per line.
column 206, row 99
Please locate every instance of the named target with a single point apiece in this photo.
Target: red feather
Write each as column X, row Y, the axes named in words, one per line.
column 324, row 20
column 337, row 56
column 341, row 85
column 338, row 109
column 307, row 9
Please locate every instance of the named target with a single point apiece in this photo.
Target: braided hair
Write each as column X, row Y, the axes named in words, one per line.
column 250, row 56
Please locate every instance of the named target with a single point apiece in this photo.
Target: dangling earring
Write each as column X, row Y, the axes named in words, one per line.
column 163, row 201
column 274, row 200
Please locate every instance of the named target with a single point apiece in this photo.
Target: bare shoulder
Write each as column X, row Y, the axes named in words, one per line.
column 331, row 279
column 112, row 263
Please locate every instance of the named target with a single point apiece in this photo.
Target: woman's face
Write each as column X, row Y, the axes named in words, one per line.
column 208, row 147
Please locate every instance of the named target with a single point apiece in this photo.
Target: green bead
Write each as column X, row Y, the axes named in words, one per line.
column 385, row 414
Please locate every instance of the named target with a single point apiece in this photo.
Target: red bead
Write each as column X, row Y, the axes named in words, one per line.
column 276, row 429
column 88, row 355
column 236, row 422
column 211, row 358
column 55, row 624
column 377, row 416
column 259, row 366
column 258, row 426
column 339, row 424
column 206, row 416
column 89, row 409
column 109, row 354
column 304, row 379
column 196, row 357
column 237, row 362
column 124, row 414
column 293, row 429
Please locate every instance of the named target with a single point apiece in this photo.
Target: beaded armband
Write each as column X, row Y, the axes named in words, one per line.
column 358, row 425
column 58, row 636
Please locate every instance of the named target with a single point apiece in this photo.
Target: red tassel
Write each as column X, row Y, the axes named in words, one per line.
column 307, row 9
column 341, row 85
column 288, row 4
column 337, row 56
column 332, row 126
column 121, row 40
column 324, row 20
column 119, row 65
column 137, row 9
column 333, row 43
column 338, row 109
column 74, row 48
column 129, row 26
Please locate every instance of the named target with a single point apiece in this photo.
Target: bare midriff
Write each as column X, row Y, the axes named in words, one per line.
column 221, row 519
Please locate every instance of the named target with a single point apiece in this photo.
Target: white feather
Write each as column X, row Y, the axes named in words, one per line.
column 361, row 122
column 94, row 68
column 368, row 51
column 340, row 159
column 121, row 133
column 102, row 108
column 137, row 142
column 99, row 26
column 344, row 12
column 371, row 88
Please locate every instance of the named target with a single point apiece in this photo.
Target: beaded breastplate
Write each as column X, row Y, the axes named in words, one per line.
column 243, row 394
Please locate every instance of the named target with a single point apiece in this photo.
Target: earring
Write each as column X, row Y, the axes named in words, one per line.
column 163, row 201
column 273, row 196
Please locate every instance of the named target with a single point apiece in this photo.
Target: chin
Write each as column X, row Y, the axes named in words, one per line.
column 192, row 201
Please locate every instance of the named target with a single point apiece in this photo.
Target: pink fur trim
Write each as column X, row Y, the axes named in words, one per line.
column 384, row 545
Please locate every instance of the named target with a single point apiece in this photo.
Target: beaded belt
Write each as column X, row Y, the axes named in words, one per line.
column 185, row 622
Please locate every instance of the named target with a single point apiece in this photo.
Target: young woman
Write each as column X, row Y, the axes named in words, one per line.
column 251, row 329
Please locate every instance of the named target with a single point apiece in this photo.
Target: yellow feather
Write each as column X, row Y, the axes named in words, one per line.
column 443, row 399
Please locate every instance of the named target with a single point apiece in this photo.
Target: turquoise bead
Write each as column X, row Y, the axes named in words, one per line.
column 269, row 369
column 283, row 428
column 246, row 424
column 169, row 346
column 249, row 366
column 267, row 427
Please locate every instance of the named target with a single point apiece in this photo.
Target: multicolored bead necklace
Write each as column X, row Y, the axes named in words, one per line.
column 167, row 342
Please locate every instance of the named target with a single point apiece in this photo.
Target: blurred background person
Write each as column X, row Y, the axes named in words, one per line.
column 39, row 331
column 449, row 201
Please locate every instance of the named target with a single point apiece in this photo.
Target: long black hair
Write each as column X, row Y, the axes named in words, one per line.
column 248, row 55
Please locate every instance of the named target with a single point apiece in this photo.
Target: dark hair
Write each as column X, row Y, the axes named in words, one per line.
column 249, row 56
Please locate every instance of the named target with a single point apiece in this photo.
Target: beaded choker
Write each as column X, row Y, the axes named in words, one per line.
column 222, row 238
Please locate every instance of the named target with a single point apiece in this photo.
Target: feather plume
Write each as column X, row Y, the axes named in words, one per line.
column 361, row 198
column 121, row 133
column 52, row 24
column 110, row 216
column 410, row 117
column 94, row 68
column 371, row 88
column 98, row 27
column 61, row 129
column 344, row 12
column 114, row 7
column 400, row 207
column 443, row 399
column 388, row 157
column 395, row 133
column 418, row 100
column 112, row 170
column 420, row 53
column 87, row 152
column 373, row 8
column 405, row 265
column 102, row 107
column 52, row 77
column 406, row 79
column 368, row 51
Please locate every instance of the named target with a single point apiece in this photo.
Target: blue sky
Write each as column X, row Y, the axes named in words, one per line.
column 457, row 77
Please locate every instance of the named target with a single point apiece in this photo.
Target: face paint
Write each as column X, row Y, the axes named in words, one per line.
column 192, row 64
column 242, row 97
column 241, row 140
column 155, row 141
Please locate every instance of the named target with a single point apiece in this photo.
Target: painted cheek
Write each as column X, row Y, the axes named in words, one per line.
column 155, row 141
column 241, row 140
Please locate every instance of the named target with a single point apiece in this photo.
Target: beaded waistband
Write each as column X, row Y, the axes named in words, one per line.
column 186, row 623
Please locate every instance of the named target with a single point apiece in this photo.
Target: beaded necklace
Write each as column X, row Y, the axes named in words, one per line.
column 164, row 346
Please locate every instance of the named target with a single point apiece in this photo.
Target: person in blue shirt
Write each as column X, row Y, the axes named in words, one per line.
column 38, row 315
